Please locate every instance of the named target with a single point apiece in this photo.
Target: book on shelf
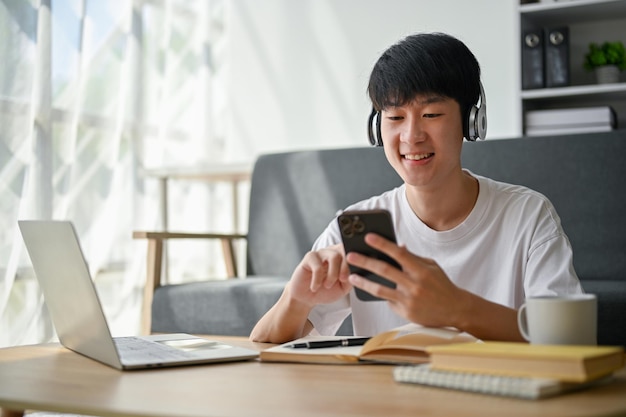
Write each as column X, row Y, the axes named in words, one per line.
column 405, row 344
column 600, row 115
column 565, row 130
column 529, row 388
column 568, row 363
column 570, row 121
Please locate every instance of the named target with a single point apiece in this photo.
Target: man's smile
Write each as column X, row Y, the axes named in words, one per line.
column 418, row 156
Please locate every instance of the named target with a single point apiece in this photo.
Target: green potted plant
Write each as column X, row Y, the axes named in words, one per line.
column 607, row 60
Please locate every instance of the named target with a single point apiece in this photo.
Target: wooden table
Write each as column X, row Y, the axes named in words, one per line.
column 49, row 377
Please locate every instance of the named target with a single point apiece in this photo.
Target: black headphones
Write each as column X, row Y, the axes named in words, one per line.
column 476, row 127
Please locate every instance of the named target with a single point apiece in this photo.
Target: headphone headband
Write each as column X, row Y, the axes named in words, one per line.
column 476, row 122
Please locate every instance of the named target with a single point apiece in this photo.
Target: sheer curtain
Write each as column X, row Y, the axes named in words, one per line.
column 91, row 93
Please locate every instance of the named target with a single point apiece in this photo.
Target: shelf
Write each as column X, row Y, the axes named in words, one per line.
column 588, row 21
column 605, row 90
column 573, row 11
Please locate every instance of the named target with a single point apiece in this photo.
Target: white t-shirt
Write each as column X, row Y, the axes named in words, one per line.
column 511, row 246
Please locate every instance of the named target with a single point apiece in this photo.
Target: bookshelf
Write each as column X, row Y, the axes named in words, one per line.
column 588, row 21
column 573, row 11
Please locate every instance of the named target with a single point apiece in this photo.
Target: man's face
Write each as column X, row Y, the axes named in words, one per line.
column 423, row 140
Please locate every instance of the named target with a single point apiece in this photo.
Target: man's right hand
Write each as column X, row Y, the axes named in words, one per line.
column 321, row 277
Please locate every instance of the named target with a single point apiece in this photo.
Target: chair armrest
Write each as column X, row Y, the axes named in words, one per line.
column 154, row 262
column 155, row 249
column 138, row 234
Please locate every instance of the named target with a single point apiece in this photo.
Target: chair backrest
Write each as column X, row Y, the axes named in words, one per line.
column 295, row 195
column 583, row 175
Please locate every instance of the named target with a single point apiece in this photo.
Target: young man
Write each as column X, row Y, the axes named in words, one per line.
column 470, row 249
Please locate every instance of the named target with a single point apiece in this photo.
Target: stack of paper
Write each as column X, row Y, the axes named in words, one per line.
column 569, row 121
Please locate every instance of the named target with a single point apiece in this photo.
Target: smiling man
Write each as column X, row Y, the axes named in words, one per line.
column 471, row 249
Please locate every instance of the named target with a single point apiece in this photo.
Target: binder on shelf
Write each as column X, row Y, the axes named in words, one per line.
column 532, row 60
column 556, row 50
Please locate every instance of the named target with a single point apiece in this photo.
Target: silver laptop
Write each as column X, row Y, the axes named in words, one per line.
column 79, row 320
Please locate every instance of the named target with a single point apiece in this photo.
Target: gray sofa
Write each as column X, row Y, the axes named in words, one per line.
column 295, row 195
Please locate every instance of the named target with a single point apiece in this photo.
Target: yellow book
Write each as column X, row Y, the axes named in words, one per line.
column 406, row 344
column 561, row 362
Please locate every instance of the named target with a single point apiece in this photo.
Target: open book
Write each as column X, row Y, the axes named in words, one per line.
column 406, row 344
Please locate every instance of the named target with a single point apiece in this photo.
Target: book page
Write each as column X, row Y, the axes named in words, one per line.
column 414, row 337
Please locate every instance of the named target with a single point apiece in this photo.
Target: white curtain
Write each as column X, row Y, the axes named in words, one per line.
column 92, row 92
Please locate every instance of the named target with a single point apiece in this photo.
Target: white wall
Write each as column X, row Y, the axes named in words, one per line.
column 299, row 68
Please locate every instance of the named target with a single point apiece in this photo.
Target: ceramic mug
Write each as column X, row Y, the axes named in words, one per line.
column 559, row 320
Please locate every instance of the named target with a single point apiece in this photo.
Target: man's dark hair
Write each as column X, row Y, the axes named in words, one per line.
column 425, row 63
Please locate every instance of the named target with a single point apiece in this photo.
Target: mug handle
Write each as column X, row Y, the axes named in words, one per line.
column 522, row 322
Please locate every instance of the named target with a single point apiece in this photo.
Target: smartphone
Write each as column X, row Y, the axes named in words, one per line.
column 354, row 225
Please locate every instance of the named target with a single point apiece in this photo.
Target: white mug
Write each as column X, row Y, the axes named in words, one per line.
column 559, row 320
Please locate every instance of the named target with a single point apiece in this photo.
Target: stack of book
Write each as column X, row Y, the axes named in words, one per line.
column 448, row 358
column 514, row 369
column 570, row 121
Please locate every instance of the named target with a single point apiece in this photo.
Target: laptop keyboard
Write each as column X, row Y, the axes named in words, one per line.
column 134, row 350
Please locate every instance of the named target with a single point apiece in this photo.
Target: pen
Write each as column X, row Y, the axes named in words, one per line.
column 315, row 344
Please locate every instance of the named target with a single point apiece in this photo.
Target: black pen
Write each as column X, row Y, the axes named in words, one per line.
column 315, row 344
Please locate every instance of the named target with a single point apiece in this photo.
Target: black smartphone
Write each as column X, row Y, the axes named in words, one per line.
column 354, row 225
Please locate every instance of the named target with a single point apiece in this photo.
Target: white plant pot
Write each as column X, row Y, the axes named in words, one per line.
column 607, row 74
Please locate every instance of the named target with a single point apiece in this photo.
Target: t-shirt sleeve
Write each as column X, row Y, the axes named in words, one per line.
column 550, row 266
column 550, row 269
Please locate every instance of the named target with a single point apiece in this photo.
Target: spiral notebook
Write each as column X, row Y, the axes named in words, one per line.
column 508, row 386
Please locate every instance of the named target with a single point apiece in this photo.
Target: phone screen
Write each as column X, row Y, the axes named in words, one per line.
column 354, row 225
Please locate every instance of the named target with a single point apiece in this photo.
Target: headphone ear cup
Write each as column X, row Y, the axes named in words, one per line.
column 373, row 129
column 480, row 123
column 379, row 135
column 477, row 119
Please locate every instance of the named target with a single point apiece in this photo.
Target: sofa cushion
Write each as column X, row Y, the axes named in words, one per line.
column 294, row 195
column 229, row 307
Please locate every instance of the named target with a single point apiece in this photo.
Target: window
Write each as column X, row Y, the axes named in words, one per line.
column 91, row 93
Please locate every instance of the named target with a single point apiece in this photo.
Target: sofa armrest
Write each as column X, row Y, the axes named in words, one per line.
column 154, row 262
